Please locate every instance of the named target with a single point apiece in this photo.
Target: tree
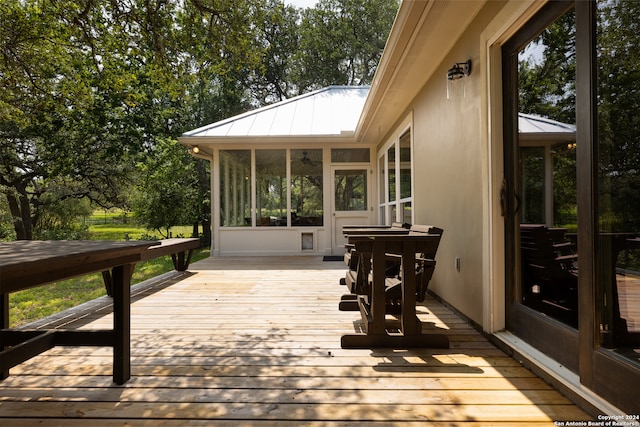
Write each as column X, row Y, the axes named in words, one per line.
column 89, row 87
column 93, row 87
column 618, row 119
column 278, row 40
column 341, row 42
column 167, row 188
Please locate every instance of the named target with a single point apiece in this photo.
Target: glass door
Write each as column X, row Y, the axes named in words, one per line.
column 617, row 200
column 540, row 191
column 586, row 188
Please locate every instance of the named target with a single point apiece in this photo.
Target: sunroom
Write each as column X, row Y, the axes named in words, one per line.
column 286, row 177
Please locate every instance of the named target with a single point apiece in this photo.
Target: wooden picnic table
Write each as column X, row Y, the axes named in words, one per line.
column 373, row 307
column 27, row 264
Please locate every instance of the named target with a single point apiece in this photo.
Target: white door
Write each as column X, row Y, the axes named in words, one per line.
column 350, row 202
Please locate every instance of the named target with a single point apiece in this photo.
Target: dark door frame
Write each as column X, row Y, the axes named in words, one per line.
column 608, row 374
column 548, row 335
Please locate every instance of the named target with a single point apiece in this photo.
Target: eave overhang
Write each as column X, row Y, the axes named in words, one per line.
column 422, row 35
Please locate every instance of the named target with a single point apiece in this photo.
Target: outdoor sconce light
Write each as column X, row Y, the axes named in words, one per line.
column 195, row 149
column 455, row 84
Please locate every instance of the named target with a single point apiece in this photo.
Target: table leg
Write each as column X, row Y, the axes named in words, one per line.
column 181, row 260
column 4, row 324
column 378, row 324
column 410, row 325
column 121, row 281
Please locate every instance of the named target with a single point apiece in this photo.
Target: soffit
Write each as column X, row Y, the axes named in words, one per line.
column 421, row 37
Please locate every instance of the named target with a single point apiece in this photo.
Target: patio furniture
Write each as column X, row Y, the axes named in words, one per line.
column 374, row 305
column 352, row 232
column 180, row 250
column 358, row 277
column 550, row 275
column 26, row 264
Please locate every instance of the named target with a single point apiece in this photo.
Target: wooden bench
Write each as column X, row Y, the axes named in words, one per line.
column 358, row 277
column 180, row 250
column 373, row 304
column 353, row 233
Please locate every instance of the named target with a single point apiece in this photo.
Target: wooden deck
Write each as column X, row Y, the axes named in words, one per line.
column 256, row 341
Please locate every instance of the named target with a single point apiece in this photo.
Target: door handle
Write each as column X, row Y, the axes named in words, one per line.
column 503, row 198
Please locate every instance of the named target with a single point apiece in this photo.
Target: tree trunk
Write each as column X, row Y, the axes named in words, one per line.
column 21, row 211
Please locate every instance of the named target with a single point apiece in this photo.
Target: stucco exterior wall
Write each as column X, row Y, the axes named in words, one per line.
column 450, row 170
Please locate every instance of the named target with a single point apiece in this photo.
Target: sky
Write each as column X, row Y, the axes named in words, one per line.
column 301, row 3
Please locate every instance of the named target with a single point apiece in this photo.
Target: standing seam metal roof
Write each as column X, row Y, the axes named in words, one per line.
column 333, row 110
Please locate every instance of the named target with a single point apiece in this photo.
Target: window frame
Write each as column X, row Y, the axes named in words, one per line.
column 390, row 211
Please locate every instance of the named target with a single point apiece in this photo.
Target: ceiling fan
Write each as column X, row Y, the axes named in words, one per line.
column 306, row 160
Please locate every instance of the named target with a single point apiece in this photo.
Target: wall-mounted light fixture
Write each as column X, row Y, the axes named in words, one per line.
column 195, row 149
column 455, row 85
column 459, row 70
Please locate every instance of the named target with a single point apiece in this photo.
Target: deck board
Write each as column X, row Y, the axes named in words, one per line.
column 257, row 342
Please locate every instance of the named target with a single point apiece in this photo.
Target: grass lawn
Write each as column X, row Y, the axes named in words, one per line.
column 33, row 304
column 115, row 225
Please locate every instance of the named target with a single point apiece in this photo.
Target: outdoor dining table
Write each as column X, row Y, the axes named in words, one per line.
column 27, row 264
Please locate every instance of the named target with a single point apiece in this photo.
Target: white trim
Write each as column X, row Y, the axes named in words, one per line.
column 405, row 125
column 510, row 18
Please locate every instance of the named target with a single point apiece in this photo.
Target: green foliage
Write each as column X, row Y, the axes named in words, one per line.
column 618, row 118
column 341, row 41
column 547, row 86
column 93, row 89
column 168, row 191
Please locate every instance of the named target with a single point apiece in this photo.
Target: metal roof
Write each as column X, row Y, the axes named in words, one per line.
column 334, row 111
column 528, row 123
column 331, row 111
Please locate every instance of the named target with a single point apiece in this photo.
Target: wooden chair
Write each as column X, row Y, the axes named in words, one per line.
column 550, row 275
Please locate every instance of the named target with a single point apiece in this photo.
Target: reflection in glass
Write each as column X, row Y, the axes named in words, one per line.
column 306, row 187
column 619, row 175
column 271, row 188
column 532, row 193
column 407, row 213
column 350, row 190
column 405, row 165
column 547, row 183
column 235, row 188
column 391, row 174
column 350, row 155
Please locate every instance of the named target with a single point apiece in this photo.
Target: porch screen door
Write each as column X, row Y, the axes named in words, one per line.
column 350, row 202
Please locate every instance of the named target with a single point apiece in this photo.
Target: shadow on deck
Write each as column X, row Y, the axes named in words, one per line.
column 256, row 341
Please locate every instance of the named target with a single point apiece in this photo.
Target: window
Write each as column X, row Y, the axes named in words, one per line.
column 351, row 190
column 235, row 188
column 306, row 188
column 271, row 188
column 350, row 155
column 395, row 176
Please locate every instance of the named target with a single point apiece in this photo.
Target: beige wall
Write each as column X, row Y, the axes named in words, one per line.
column 451, row 173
